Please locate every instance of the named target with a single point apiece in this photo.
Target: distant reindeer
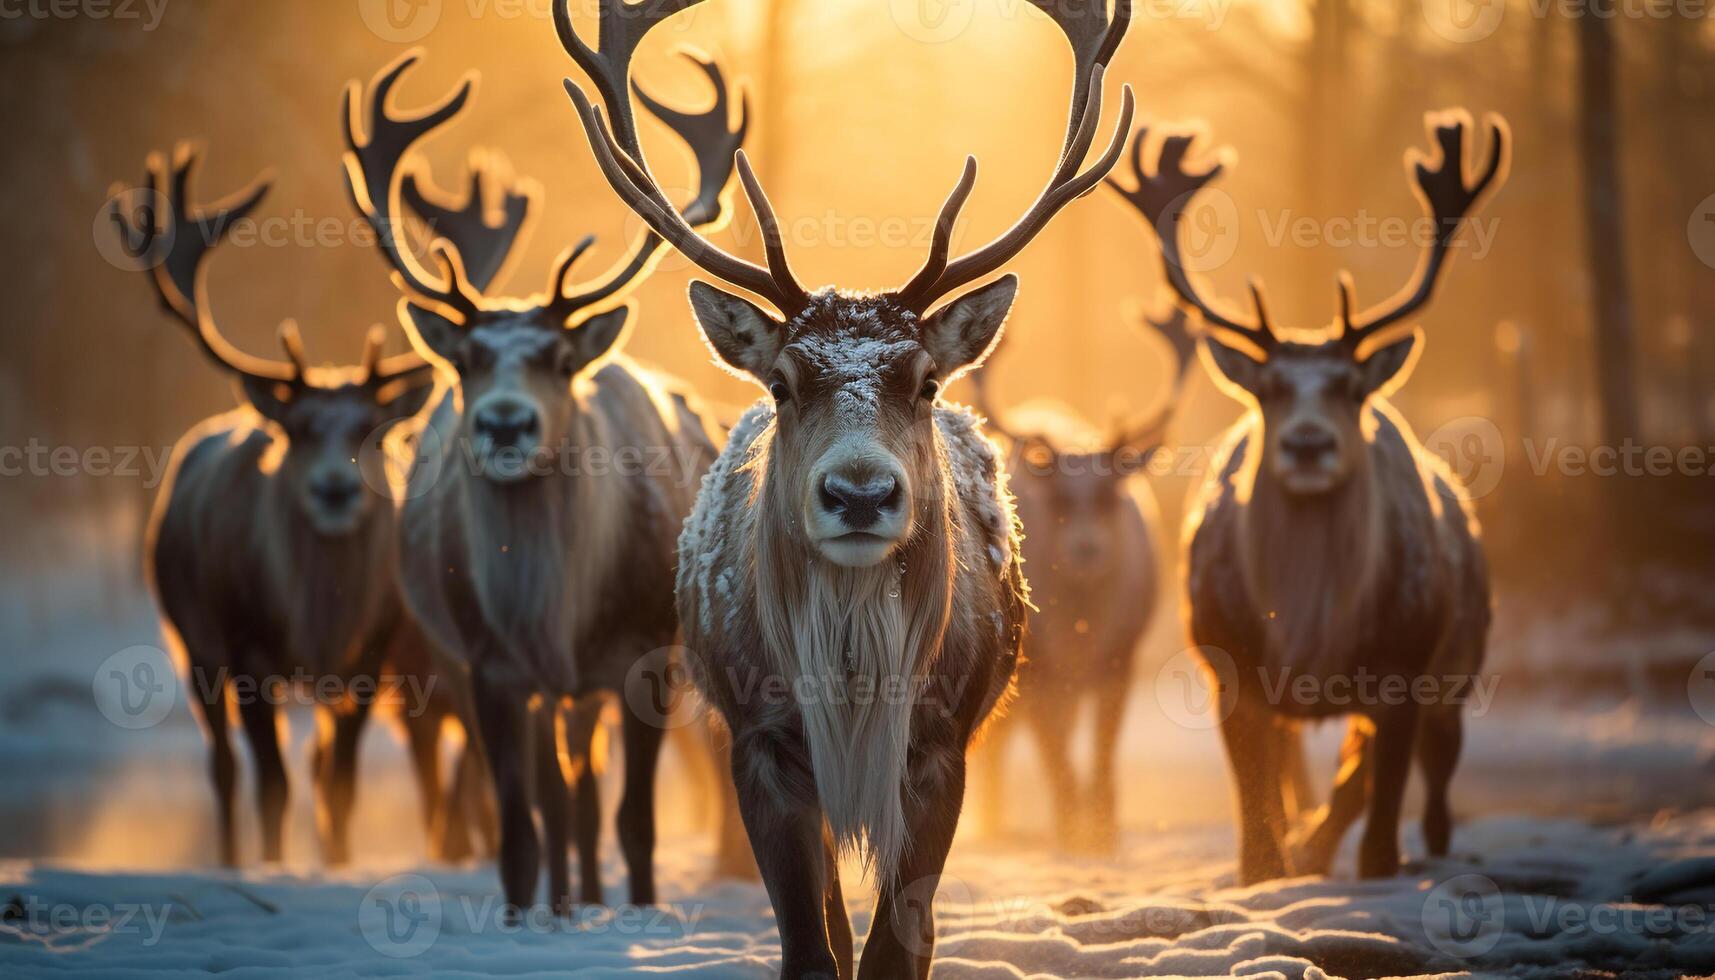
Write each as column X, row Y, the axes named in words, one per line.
column 269, row 553
column 850, row 582
column 1091, row 524
column 542, row 555
column 1327, row 542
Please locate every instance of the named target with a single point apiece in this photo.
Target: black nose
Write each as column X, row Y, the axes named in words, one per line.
column 507, row 423
column 334, row 492
column 1308, row 444
column 859, row 505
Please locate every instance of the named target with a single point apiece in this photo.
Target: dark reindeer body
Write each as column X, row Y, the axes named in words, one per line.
column 540, row 554
column 1333, row 566
column 1091, row 527
column 270, row 554
column 505, row 571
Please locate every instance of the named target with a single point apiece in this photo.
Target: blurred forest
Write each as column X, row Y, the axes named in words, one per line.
column 1585, row 322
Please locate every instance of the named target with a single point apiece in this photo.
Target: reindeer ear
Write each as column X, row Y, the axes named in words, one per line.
column 597, row 335
column 271, row 398
column 744, row 335
column 1231, row 363
column 439, row 334
column 1387, row 367
column 959, row 334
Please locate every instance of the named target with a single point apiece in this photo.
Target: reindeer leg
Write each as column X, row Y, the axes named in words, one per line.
column 261, row 730
column 581, row 729
column 503, row 718
column 777, row 798
column 337, row 774
column 1396, row 734
column 1104, row 799
column 1251, row 754
column 834, row 907
column 552, row 802
column 1052, row 729
column 423, row 739
column 222, row 767
column 642, row 740
column 901, row 939
column 1345, row 804
column 1439, row 741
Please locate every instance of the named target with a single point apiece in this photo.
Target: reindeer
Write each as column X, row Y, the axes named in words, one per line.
column 542, row 555
column 269, row 550
column 1090, row 549
column 850, row 582
column 1327, row 542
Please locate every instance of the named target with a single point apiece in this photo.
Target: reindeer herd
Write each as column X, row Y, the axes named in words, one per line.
column 854, row 535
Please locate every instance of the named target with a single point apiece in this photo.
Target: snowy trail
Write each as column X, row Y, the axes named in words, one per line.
column 1546, row 899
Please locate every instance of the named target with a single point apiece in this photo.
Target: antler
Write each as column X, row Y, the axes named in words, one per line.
column 372, row 179
column 484, row 247
column 1162, row 199
column 620, row 155
column 1448, row 199
column 179, row 276
column 1149, row 433
column 713, row 145
column 1094, row 37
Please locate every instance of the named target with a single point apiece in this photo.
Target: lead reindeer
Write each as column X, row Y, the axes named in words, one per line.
column 1327, row 542
column 1091, row 527
column 269, row 553
column 855, row 542
column 542, row 555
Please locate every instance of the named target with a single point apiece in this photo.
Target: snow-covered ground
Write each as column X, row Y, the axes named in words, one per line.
column 1586, row 847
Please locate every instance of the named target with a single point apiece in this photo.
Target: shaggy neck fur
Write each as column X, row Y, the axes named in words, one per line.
column 330, row 587
column 1310, row 564
column 539, row 547
column 857, row 643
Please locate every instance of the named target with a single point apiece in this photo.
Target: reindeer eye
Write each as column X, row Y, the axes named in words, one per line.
column 777, row 388
column 931, row 388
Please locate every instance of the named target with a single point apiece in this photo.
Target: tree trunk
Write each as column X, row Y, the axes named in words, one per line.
column 1604, row 230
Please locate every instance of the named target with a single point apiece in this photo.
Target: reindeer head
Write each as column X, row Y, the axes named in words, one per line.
column 1072, row 485
column 854, row 376
column 1311, row 388
column 518, row 361
column 326, row 414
